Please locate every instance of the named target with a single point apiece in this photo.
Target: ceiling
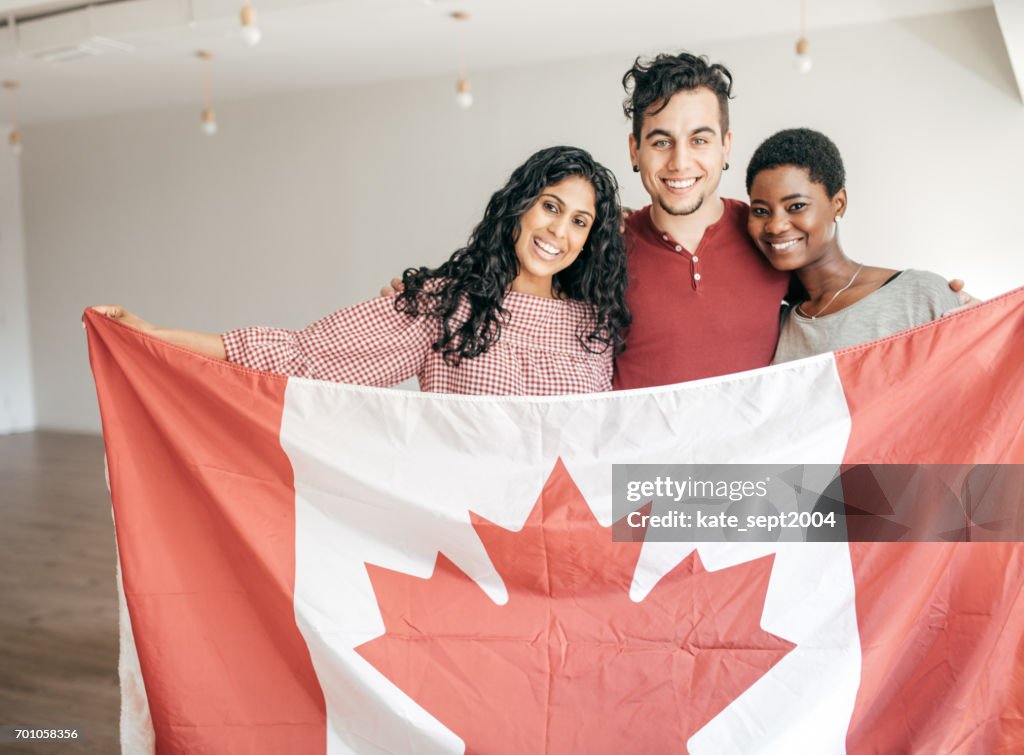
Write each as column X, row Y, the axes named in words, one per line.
column 141, row 53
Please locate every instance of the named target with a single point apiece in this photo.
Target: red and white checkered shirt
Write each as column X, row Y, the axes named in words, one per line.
column 537, row 354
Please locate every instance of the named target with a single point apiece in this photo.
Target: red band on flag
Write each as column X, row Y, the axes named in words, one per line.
column 940, row 623
column 921, row 397
column 225, row 667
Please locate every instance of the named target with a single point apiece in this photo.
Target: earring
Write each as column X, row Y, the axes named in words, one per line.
column 636, row 168
column 725, row 167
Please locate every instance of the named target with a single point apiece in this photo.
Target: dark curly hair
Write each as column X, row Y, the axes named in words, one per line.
column 803, row 148
column 481, row 272
column 653, row 83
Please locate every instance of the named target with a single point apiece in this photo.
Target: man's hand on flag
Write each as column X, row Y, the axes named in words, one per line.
column 956, row 285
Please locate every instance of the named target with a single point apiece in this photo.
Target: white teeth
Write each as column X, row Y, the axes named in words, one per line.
column 681, row 184
column 785, row 244
column 545, row 247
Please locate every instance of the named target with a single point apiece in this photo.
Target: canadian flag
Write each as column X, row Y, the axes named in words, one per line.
column 311, row 567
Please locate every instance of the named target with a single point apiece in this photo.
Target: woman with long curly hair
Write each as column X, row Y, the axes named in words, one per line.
column 534, row 304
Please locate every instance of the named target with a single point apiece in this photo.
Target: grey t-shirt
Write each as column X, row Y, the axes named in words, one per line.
column 913, row 298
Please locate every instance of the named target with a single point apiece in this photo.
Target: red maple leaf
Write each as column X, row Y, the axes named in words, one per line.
column 570, row 664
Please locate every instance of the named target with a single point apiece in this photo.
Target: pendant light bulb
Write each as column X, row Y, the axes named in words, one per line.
column 209, row 122
column 14, row 140
column 803, row 62
column 251, row 33
column 463, row 94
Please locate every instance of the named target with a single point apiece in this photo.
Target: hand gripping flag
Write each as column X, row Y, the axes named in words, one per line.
column 322, row 568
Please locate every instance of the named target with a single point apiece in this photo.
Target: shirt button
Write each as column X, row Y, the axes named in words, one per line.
column 696, row 276
column 664, row 236
column 679, row 249
column 696, row 258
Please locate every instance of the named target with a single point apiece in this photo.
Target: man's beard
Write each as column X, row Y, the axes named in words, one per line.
column 685, row 211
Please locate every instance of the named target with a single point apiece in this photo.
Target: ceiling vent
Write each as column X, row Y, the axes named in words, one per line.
column 89, row 48
column 75, row 34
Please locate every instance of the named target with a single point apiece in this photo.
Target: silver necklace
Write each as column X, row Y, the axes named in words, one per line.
column 820, row 312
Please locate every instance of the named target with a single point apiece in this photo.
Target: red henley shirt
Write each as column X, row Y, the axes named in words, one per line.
column 697, row 314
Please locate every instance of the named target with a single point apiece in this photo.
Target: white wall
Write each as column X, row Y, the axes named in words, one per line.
column 310, row 201
column 17, row 410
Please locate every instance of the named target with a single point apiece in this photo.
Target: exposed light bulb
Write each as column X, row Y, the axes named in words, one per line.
column 463, row 95
column 803, row 62
column 14, row 140
column 209, row 122
column 251, row 33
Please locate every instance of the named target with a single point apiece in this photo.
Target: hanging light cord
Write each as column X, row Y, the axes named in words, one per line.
column 12, row 98
column 207, row 84
column 463, row 69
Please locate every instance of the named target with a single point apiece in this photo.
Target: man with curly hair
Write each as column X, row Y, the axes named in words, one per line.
column 704, row 300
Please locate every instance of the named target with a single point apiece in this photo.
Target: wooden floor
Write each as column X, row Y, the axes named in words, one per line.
column 58, row 598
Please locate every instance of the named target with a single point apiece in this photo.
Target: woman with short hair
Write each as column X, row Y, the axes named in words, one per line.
column 797, row 186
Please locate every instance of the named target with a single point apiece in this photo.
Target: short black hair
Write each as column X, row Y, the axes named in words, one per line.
column 652, row 82
column 804, row 148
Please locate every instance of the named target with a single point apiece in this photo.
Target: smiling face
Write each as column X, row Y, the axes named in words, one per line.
column 682, row 152
column 792, row 218
column 552, row 233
